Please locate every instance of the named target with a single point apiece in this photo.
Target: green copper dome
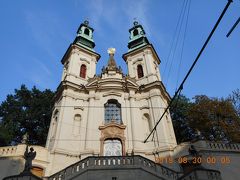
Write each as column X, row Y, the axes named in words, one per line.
column 84, row 36
column 137, row 37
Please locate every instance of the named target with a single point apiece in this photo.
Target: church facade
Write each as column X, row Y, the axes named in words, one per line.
column 113, row 113
column 99, row 123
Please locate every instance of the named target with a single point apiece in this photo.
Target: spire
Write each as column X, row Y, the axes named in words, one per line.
column 112, row 65
column 111, row 61
column 84, row 36
column 137, row 36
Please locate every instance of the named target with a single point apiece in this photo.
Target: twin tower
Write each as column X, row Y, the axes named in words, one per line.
column 111, row 114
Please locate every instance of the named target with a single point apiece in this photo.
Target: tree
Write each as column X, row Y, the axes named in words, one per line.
column 179, row 113
column 26, row 111
column 235, row 99
column 216, row 119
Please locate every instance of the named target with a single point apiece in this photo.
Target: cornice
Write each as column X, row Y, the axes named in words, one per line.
column 144, row 50
column 158, row 85
column 69, row 85
column 73, row 47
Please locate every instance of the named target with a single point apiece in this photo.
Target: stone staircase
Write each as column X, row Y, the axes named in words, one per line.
column 115, row 162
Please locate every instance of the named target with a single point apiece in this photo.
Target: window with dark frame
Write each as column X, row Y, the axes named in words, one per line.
column 83, row 70
column 113, row 111
column 140, row 71
column 135, row 32
column 86, row 31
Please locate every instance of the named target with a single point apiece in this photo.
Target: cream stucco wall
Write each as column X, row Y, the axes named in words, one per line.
column 12, row 159
column 140, row 109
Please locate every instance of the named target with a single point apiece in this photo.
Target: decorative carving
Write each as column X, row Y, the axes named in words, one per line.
column 139, row 61
column 144, row 107
column 112, row 131
column 79, row 107
column 84, row 60
column 112, row 94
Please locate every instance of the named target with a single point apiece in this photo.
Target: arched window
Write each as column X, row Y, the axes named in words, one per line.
column 112, row 147
column 113, row 111
column 86, row 31
column 135, row 32
column 83, row 70
column 140, row 71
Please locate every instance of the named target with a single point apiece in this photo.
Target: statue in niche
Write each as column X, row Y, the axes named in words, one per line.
column 29, row 156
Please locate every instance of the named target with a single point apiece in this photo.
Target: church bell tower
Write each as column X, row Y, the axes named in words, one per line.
column 141, row 58
column 80, row 59
column 79, row 63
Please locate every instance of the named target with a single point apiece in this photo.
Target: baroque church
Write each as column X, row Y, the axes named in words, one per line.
column 99, row 123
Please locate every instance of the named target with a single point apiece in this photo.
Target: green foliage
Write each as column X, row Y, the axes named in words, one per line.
column 179, row 113
column 235, row 99
column 26, row 111
column 216, row 119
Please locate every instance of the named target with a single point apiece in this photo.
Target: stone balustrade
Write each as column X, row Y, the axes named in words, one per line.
column 202, row 145
column 222, row 146
column 18, row 152
column 115, row 162
column 8, row 150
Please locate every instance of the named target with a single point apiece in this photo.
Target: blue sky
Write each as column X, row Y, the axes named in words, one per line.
column 35, row 35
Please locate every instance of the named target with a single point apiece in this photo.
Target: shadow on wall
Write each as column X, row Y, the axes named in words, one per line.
column 11, row 166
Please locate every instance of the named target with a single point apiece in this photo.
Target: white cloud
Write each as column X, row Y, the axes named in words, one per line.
column 43, row 68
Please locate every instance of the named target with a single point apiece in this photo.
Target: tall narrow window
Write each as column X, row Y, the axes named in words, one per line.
column 83, row 70
column 113, row 111
column 86, row 31
column 135, row 32
column 140, row 71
